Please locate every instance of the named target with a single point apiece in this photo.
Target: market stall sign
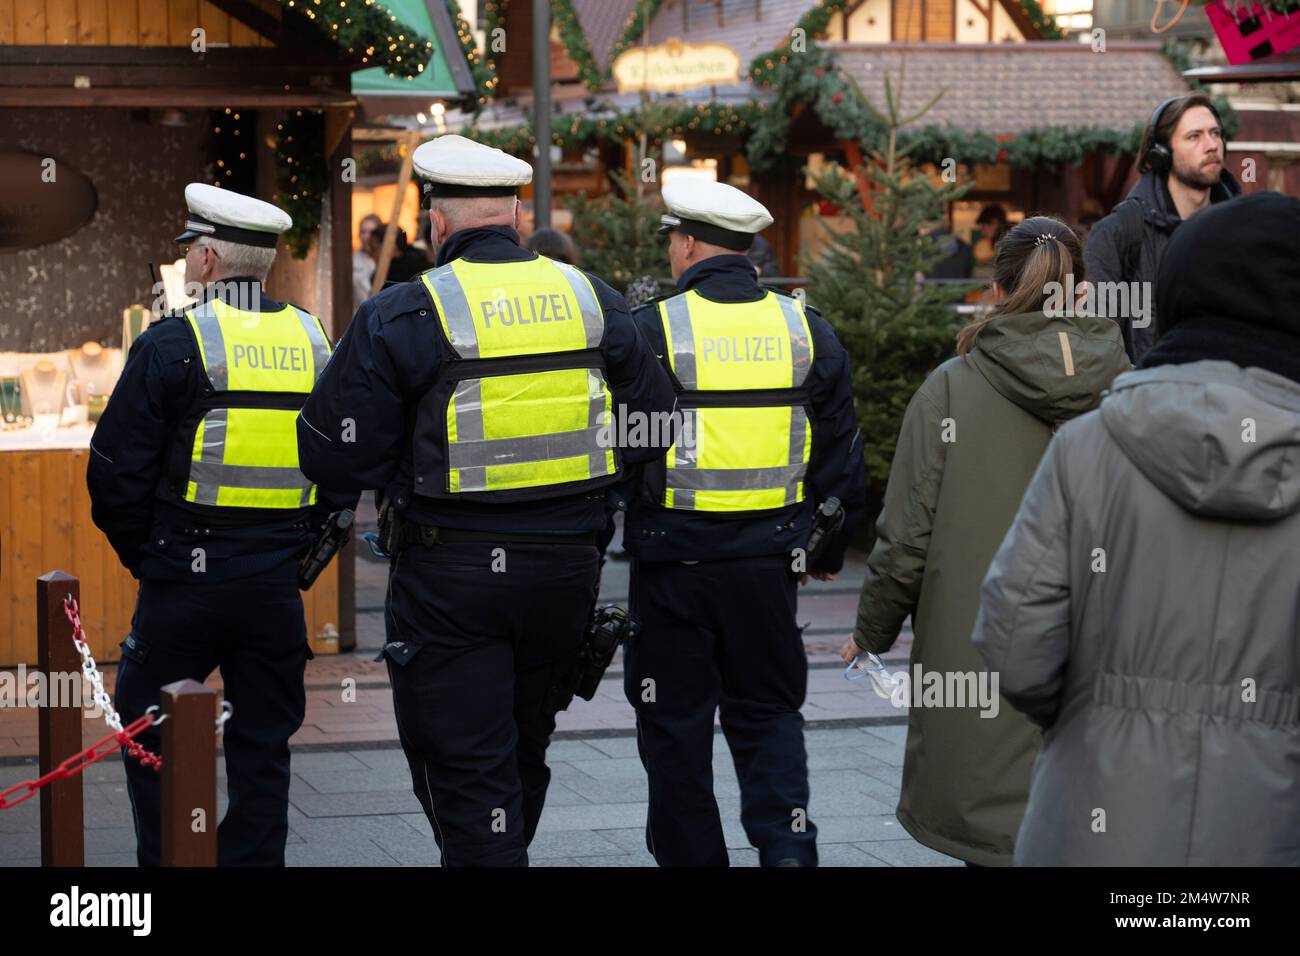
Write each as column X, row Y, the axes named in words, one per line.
column 42, row 199
column 676, row 66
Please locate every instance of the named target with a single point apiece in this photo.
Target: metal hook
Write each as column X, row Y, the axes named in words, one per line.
column 157, row 720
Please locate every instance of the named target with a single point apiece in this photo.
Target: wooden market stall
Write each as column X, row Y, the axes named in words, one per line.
column 124, row 102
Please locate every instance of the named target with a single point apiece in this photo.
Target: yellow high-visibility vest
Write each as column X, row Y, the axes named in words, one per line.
column 261, row 366
column 522, row 400
column 740, row 368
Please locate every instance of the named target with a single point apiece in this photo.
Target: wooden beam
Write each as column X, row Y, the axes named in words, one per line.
column 190, row 98
column 253, row 17
column 160, row 55
column 59, row 724
column 390, row 231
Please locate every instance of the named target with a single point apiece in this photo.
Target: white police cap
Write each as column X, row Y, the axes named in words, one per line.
column 713, row 212
column 452, row 165
column 231, row 216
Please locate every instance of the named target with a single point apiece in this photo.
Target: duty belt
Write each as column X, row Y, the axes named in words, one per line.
column 428, row 536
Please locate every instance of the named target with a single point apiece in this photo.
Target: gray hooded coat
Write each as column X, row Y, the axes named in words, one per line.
column 1144, row 609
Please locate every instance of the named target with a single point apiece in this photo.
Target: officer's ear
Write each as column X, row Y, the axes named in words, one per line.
column 515, row 223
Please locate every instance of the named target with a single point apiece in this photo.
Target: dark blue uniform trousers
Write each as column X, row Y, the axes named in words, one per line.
column 471, row 656
column 720, row 633
column 254, row 631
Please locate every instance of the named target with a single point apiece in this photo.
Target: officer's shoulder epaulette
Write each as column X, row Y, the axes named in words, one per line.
column 661, row 297
column 164, row 316
column 398, row 299
column 780, row 291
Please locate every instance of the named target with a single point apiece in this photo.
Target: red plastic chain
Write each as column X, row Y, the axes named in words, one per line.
column 78, row 762
column 101, row 749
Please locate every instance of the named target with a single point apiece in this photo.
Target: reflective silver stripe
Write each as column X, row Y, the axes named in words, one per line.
column 247, row 476
column 736, row 479
column 597, row 460
column 320, row 346
column 798, row 438
column 212, row 452
column 800, row 344
column 525, row 448
column 593, row 319
column 683, row 345
column 213, row 341
column 468, row 403
column 686, row 447
column 454, row 309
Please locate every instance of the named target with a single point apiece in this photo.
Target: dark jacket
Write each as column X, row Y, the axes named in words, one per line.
column 1109, row 258
column 971, row 439
column 1143, row 611
column 391, row 355
column 161, row 385
column 836, row 466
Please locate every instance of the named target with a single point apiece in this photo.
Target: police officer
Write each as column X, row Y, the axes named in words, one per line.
column 478, row 400
column 194, row 478
column 716, row 531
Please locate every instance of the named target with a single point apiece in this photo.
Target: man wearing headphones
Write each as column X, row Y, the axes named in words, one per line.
column 1182, row 166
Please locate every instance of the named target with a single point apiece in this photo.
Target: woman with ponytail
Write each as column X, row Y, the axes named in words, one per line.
column 971, row 440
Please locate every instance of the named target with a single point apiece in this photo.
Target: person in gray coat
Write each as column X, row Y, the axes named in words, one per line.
column 1143, row 608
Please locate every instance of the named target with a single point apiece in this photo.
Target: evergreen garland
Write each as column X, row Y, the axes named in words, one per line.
column 485, row 79
column 659, row 122
column 638, row 21
column 301, row 175
column 575, row 45
column 370, row 31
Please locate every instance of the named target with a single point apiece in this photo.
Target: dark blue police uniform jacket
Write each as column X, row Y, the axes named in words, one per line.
column 161, row 385
column 836, row 467
column 391, row 355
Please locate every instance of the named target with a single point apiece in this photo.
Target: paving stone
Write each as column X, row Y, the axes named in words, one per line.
column 628, row 839
column 110, row 840
column 564, row 750
column 347, row 853
column 569, row 844
column 615, row 746
column 560, row 795
column 894, row 733
column 388, row 760
column 907, row 853
column 308, row 762
column 592, row 817
column 602, row 791
column 112, row 859
column 611, row 768
column 845, row 854
column 356, row 804
column 365, row 780
column 618, row 860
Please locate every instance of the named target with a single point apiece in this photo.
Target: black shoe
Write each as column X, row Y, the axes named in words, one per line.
column 788, row 861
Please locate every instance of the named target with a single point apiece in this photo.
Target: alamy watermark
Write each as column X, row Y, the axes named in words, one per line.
column 1112, row 300
column 23, row 688
column 923, row 688
column 636, row 429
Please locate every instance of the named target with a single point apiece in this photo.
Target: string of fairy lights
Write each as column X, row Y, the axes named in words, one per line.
column 370, row 31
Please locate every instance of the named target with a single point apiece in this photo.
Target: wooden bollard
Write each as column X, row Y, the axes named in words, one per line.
column 63, row 841
column 189, row 774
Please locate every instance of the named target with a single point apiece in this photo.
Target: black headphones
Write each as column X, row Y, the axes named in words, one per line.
column 1160, row 156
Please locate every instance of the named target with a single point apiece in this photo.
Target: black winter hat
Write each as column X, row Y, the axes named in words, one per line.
column 1237, row 260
